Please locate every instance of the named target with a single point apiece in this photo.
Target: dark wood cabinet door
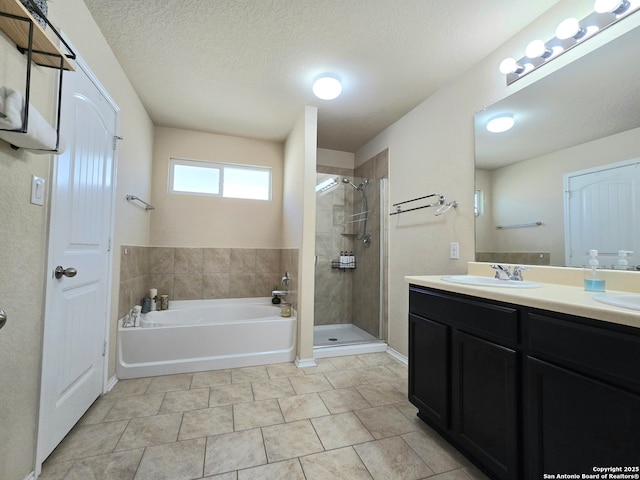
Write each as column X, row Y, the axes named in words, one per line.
column 576, row 423
column 429, row 369
column 485, row 403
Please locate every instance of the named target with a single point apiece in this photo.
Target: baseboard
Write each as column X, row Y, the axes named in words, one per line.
column 398, row 356
column 111, row 383
column 306, row 362
column 31, row 476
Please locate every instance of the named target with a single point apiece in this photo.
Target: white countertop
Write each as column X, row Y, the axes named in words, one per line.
column 553, row 297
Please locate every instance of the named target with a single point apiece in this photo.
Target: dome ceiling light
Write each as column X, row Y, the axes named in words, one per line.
column 570, row 33
column 327, row 86
column 501, row 123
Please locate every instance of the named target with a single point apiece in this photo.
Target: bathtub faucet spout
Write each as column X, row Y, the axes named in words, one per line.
column 279, row 292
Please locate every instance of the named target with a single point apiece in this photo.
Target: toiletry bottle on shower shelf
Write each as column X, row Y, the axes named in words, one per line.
column 593, row 281
column 352, row 260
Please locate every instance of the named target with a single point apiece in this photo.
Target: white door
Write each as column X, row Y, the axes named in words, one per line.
column 76, row 323
column 602, row 211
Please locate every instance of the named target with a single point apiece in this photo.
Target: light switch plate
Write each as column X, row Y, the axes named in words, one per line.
column 454, row 251
column 37, row 190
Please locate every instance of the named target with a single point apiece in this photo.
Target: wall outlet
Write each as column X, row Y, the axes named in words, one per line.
column 454, row 251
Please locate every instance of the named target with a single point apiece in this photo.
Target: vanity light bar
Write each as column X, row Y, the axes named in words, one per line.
column 569, row 34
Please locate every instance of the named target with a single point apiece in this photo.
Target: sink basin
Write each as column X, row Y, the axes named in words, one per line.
column 490, row 281
column 625, row 300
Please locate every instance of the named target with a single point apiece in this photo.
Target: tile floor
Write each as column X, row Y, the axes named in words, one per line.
column 348, row 418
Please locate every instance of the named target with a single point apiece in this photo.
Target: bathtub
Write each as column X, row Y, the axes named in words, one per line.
column 198, row 335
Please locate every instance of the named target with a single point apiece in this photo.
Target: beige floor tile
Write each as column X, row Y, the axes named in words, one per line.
column 411, row 413
column 287, row 470
column 378, row 374
column 385, row 421
column 98, row 411
column 381, row 394
column 230, row 394
column 341, row 430
column 280, row 370
column 211, row 378
column 114, row 466
column 341, row 464
column 88, row 440
column 322, row 365
column 233, row 451
column 174, row 461
column 458, row 474
column 290, row 440
column 183, row 400
column 129, row 387
column 55, row 471
column 392, row 458
column 169, row 383
column 223, row 476
column 376, row 359
column 434, row 451
column 299, row 407
column 249, row 374
column 131, row 407
column 280, row 387
column 256, row 414
column 344, row 400
column 206, row 422
column 310, row 384
column 401, row 370
column 145, row 431
column 402, row 386
column 345, row 378
column 347, row 362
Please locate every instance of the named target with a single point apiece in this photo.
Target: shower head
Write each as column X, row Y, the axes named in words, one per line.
column 358, row 187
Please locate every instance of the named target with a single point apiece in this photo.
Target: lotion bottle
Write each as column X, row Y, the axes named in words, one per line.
column 593, row 281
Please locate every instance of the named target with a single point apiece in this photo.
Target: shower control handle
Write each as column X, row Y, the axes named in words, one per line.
column 3, row 318
column 67, row 272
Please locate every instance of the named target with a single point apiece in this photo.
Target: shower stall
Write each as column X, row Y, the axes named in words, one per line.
column 351, row 258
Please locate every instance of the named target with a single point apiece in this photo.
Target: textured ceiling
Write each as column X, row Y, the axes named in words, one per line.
column 245, row 67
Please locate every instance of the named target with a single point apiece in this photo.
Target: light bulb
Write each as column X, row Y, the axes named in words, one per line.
column 570, row 28
column 510, row 65
column 536, row 49
column 327, row 87
column 501, row 123
column 611, row 6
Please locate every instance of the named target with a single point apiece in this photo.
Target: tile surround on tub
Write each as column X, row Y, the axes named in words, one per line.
column 186, row 273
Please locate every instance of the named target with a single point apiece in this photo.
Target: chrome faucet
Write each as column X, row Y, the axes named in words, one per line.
column 285, row 279
column 503, row 273
column 285, row 283
column 517, row 273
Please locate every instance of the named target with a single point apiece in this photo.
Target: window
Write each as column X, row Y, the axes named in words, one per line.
column 219, row 179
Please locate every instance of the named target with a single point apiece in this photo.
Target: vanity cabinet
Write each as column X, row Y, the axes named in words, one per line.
column 524, row 392
column 463, row 376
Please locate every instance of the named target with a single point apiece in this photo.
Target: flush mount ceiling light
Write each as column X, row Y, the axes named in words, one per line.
column 570, row 33
column 327, row 86
column 501, row 123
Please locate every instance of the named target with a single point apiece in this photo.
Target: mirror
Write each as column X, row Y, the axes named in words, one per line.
column 583, row 116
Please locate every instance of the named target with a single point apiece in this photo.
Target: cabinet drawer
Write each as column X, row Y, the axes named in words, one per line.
column 607, row 354
column 494, row 321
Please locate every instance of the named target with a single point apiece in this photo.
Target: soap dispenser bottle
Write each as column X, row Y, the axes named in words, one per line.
column 593, row 281
column 623, row 263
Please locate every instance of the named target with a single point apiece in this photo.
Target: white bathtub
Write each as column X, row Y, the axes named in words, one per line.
column 198, row 335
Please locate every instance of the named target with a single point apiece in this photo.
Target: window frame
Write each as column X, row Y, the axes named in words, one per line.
column 220, row 167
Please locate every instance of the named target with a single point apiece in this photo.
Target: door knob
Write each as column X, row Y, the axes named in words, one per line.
column 3, row 318
column 67, row 272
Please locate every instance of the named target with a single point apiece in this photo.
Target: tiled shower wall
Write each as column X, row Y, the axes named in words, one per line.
column 202, row 273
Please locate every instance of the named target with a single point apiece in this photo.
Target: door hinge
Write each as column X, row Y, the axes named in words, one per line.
column 109, row 245
column 104, row 349
column 115, row 141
